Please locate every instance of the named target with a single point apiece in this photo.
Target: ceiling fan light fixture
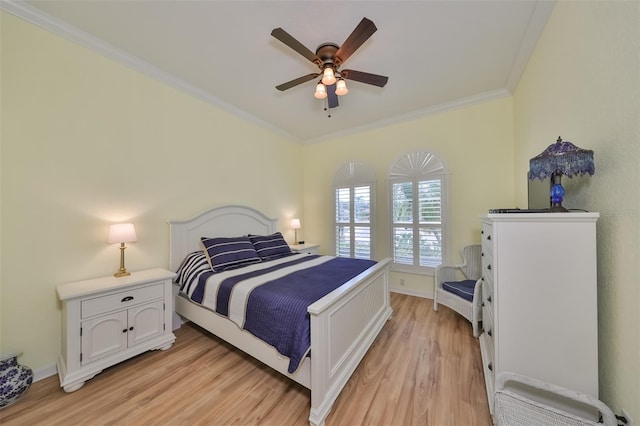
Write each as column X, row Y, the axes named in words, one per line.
column 341, row 87
column 328, row 76
column 321, row 91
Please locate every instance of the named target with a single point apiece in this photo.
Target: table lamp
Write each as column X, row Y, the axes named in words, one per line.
column 295, row 225
column 560, row 158
column 122, row 233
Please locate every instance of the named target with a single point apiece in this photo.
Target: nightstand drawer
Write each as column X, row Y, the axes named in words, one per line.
column 121, row 300
column 308, row 248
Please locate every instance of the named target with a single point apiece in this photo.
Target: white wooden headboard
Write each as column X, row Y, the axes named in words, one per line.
column 226, row 221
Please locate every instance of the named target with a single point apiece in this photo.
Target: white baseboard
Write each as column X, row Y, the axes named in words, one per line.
column 44, row 372
column 411, row 292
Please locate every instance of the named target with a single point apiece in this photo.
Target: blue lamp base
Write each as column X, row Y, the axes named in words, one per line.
column 557, row 192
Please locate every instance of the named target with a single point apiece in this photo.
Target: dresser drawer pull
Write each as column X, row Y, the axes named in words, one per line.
column 131, row 328
column 490, row 367
column 489, row 237
column 489, row 299
column 489, row 267
column 490, row 333
column 127, row 299
column 124, row 330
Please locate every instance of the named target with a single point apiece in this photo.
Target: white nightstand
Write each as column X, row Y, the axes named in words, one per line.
column 309, row 248
column 108, row 320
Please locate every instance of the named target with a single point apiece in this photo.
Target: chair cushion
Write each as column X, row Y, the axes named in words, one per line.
column 463, row 289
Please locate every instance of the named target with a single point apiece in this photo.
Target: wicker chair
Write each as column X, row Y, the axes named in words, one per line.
column 471, row 269
column 515, row 405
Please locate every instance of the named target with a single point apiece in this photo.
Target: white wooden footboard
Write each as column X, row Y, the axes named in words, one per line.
column 344, row 324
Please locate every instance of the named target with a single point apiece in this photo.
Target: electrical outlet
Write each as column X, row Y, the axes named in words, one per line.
column 628, row 417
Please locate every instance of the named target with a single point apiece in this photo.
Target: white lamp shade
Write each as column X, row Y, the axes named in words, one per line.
column 295, row 223
column 122, row 233
column 341, row 88
column 321, row 91
column 328, row 77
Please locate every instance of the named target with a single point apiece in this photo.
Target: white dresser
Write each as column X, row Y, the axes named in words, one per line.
column 108, row 320
column 539, row 299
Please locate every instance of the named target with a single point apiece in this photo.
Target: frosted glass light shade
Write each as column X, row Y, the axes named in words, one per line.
column 295, row 223
column 341, row 88
column 321, row 91
column 328, row 77
column 122, row 233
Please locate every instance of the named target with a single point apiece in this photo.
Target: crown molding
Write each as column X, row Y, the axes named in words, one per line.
column 538, row 20
column 60, row 28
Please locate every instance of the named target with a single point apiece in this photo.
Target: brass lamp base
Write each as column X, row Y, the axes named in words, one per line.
column 123, row 271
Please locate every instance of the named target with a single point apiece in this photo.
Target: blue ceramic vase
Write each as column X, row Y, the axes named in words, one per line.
column 15, row 379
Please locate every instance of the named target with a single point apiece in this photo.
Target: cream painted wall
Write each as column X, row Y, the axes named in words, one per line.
column 476, row 145
column 583, row 83
column 87, row 142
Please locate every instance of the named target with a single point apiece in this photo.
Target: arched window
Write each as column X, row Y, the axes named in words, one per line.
column 354, row 210
column 417, row 183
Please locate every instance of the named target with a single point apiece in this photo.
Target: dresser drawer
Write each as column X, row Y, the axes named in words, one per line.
column 487, row 289
column 487, row 237
column 487, row 264
column 121, row 300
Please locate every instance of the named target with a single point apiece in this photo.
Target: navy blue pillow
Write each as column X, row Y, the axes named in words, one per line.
column 270, row 246
column 463, row 289
column 227, row 253
column 192, row 268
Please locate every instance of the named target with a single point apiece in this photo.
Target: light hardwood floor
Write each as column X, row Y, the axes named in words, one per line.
column 423, row 369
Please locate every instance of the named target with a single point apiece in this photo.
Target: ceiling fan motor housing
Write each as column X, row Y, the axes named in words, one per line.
column 327, row 53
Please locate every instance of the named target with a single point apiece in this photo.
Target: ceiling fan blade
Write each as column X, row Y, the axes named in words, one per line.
column 365, row 77
column 289, row 84
column 288, row 39
column 362, row 32
column 332, row 98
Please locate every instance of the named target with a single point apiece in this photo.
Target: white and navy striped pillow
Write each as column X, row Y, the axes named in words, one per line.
column 270, row 246
column 227, row 253
column 192, row 267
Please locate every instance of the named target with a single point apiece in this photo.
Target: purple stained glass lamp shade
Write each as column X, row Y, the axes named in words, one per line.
column 560, row 158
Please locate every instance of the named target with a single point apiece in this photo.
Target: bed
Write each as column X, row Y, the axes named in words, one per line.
column 343, row 324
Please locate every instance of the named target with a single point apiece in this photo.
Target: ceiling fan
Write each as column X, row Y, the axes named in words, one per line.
column 328, row 58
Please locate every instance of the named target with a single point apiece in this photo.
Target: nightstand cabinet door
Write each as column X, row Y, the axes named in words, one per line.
column 145, row 322
column 103, row 336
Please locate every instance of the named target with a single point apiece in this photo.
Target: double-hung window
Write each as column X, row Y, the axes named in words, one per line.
column 354, row 211
column 418, row 205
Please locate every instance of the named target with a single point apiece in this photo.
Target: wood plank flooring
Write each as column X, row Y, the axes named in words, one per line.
column 423, row 369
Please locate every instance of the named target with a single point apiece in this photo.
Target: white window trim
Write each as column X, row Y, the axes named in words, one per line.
column 416, row 166
column 351, row 175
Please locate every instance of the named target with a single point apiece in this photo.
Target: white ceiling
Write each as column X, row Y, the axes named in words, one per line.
column 437, row 54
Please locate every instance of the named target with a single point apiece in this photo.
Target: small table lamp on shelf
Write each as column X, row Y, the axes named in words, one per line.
column 295, row 225
column 560, row 158
column 122, row 233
